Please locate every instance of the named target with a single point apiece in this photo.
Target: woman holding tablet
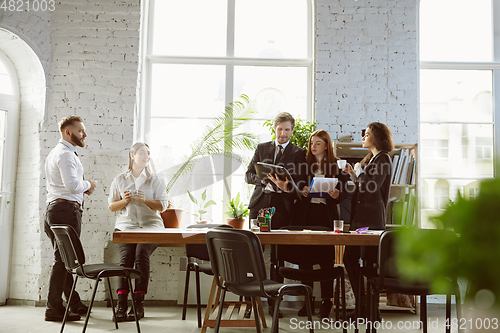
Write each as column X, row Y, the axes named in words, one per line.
column 321, row 162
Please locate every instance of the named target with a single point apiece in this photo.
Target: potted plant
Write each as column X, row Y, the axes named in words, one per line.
column 237, row 211
column 171, row 216
column 219, row 138
column 202, row 206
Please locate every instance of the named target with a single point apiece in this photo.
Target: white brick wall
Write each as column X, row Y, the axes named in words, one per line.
column 366, row 70
column 366, row 67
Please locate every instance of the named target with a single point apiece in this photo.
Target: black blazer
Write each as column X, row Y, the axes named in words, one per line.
column 369, row 202
column 303, row 206
column 292, row 159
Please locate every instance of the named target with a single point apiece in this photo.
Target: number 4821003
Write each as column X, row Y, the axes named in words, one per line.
column 28, row 5
column 473, row 323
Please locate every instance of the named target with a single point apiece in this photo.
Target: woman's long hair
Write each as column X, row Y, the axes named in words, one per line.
column 382, row 140
column 135, row 147
column 329, row 163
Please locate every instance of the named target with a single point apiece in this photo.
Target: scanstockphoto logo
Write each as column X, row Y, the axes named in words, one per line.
column 369, row 186
column 330, row 324
column 208, row 170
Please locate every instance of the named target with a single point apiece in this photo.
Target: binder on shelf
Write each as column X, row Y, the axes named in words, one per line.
column 394, row 167
column 399, row 171
column 404, row 169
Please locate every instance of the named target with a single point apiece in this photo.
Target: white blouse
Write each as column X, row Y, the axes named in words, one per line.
column 137, row 214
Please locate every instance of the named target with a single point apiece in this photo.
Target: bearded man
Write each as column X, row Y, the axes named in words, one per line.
column 65, row 189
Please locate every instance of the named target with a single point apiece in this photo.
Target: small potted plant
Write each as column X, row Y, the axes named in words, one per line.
column 237, row 211
column 171, row 216
column 202, row 206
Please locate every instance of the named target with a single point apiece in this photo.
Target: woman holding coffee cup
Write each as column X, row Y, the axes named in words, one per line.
column 137, row 196
column 321, row 162
column 372, row 177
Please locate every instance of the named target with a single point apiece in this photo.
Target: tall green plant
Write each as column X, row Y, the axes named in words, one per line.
column 301, row 132
column 477, row 223
column 202, row 206
column 220, row 137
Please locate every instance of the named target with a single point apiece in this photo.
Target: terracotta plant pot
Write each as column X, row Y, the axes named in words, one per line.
column 236, row 223
column 172, row 217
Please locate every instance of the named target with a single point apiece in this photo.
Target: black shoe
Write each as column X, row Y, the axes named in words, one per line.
column 138, row 300
column 79, row 308
column 270, row 309
column 271, row 312
column 325, row 309
column 303, row 311
column 351, row 316
column 121, row 308
column 54, row 315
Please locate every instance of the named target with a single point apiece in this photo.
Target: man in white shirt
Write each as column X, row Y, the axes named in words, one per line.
column 65, row 189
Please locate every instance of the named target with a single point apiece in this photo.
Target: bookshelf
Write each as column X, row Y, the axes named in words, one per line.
column 404, row 180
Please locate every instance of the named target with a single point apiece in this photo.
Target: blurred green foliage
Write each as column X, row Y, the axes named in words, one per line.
column 301, row 132
column 477, row 224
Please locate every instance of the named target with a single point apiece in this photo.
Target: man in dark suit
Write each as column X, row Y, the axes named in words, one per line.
column 267, row 193
column 273, row 192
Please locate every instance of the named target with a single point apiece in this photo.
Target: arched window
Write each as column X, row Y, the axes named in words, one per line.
column 202, row 55
column 9, row 103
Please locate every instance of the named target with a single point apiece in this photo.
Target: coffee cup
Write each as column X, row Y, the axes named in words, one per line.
column 341, row 164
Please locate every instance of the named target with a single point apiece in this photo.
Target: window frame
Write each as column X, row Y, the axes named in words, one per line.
column 493, row 66
column 148, row 60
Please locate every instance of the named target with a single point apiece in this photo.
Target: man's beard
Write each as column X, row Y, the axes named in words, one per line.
column 78, row 142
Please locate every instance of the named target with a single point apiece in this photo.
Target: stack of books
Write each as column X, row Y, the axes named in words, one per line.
column 403, row 167
column 403, row 173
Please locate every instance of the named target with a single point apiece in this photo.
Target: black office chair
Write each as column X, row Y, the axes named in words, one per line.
column 312, row 255
column 237, row 259
column 73, row 256
column 193, row 252
column 390, row 280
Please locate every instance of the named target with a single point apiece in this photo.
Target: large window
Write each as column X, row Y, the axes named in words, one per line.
column 459, row 54
column 202, row 55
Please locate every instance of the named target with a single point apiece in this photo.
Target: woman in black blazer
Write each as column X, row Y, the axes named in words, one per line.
column 372, row 177
column 321, row 162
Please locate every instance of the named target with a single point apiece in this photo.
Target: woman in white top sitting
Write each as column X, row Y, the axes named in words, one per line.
column 138, row 196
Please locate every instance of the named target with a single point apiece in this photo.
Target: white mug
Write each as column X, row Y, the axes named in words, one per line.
column 341, row 164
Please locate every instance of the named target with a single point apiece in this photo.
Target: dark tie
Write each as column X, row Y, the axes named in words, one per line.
column 278, row 156
column 76, row 153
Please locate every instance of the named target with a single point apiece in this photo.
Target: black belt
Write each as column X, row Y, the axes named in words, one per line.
column 64, row 200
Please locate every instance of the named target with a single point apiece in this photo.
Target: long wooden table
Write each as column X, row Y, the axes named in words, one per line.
column 181, row 237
